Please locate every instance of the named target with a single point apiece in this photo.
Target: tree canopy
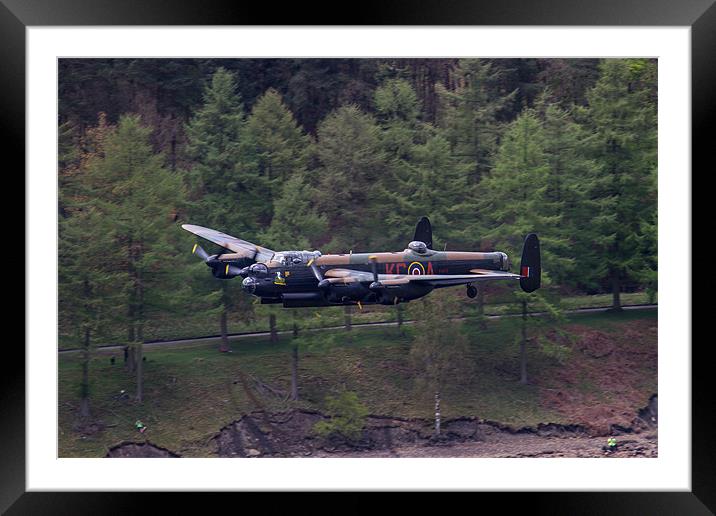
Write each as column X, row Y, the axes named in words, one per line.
column 346, row 154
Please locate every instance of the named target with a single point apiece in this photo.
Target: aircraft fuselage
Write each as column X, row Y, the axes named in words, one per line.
column 287, row 279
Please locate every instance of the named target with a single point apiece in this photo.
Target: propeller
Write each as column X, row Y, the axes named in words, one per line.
column 376, row 285
column 322, row 283
column 231, row 271
column 212, row 261
column 197, row 250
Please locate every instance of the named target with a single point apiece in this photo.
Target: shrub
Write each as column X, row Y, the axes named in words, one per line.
column 347, row 417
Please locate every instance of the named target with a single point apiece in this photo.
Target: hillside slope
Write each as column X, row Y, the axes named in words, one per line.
column 607, row 374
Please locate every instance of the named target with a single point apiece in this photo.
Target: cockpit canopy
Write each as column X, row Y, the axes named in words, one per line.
column 292, row 258
column 418, row 247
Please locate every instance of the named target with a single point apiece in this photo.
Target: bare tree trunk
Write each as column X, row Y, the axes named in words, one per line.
column 437, row 413
column 224, row 346
column 272, row 326
column 173, row 150
column 131, row 358
column 294, row 359
column 399, row 308
column 84, row 396
column 616, row 291
column 139, row 328
column 130, row 362
column 347, row 322
column 481, row 305
column 225, row 303
column 140, row 379
column 294, row 372
column 523, row 345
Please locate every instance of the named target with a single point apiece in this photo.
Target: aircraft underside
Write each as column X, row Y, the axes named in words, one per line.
column 350, row 294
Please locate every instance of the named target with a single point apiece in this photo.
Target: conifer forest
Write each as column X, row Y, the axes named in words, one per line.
column 343, row 155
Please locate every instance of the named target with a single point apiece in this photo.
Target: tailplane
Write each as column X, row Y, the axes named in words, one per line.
column 424, row 232
column 531, row 264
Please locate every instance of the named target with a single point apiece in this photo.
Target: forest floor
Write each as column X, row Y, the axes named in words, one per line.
column 596, row 388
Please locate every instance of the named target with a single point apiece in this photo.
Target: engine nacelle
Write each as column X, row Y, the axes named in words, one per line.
column 226, row 271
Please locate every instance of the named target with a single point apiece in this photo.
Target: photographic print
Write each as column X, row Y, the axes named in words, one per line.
column 357, row 257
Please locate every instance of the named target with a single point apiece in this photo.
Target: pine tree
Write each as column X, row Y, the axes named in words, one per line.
column 296, row 223
column 622, row 114
column 136, row 197
column 429, row 183
column 87, row 296
column 535, row 328
column 300, row 318
column 76, row 149
column 275, row 141
column 472, row 118
column 422, row 177
column 226, row 189
column 232, row 194
column 438, row 351
column 280, row 151
column 397, row 112
column 648, row 246
column 418, row 165
column 571, row 173
column 514, row 196
column 517, row 202
column 352, row 161
column 471, row 115
column 87, row 301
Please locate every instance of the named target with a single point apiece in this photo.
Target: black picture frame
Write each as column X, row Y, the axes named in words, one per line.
column 700, row 15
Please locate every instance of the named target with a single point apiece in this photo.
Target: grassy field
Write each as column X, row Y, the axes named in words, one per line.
column 177, row 327
column 192, row 391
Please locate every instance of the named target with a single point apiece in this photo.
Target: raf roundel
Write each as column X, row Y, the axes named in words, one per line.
column 416, row 269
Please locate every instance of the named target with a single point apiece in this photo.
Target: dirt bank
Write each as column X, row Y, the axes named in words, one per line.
column 603, row 381
column 139, row 450
column 503, row 445
column 290, row 434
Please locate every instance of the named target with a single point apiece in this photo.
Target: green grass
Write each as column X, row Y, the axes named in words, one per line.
column 172, row 326
column 609, row 321
column 605, row 300
column 192, row 391
column 566, row 303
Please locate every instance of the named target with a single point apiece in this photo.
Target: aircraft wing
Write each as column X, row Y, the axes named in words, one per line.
column 348, row 276
column 240, row 247
column 448, row 280
column 436, row 280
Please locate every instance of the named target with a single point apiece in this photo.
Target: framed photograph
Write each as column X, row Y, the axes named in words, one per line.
column 395, row 95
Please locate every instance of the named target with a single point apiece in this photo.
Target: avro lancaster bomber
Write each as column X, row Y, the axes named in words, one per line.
column 309, row 278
